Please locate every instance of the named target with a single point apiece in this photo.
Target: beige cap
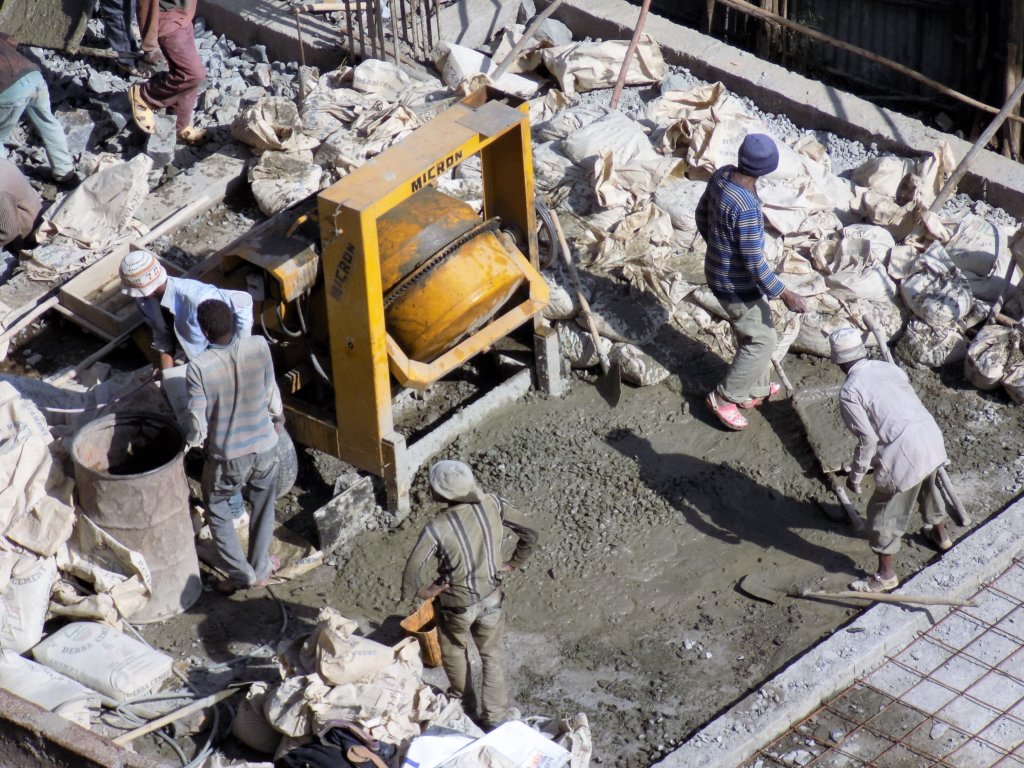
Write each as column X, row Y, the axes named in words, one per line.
column 846, row 346
column 453, row 480
column 141, row 274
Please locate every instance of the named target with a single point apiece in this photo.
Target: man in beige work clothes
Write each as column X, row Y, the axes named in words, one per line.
column 465, row 542
column 899, row 439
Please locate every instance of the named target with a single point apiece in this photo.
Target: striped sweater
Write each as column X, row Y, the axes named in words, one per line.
column 465, row 540
column 730, row 221
column 232, row 397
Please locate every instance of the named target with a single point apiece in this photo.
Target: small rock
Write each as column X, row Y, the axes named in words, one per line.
column 938, row 730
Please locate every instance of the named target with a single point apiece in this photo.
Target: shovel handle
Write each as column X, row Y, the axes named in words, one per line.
column 563, row 247
column 885, row 597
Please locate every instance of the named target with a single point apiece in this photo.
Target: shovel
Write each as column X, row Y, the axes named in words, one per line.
column 609, row 383
column 760, row 586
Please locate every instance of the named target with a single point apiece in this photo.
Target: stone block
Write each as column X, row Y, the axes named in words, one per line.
column 473, row 22
column 341, row 519
column 261, row 75
column 209, row 100
column 160, row 144
column 84, row 129
column 253, row 94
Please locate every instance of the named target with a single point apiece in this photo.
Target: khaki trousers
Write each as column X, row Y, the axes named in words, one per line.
column 889, row 513
column 748, row 374
column 485, row 623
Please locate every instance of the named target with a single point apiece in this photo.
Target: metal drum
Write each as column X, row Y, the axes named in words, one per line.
column 131, row 483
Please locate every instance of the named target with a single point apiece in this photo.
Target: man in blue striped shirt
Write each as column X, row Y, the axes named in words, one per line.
column 730, row 221
column 235, row 408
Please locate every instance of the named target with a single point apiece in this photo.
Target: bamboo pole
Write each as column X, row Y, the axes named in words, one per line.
column 633, row 43
column 531, row 30
column 986, row 135
column 742, row 7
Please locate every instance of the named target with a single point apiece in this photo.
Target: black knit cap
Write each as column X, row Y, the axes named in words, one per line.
column 758, row 155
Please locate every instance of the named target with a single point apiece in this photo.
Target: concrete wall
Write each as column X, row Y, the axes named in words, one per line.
column 807, row 103
column 31, row 737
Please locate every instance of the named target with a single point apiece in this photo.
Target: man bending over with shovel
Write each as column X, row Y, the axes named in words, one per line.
column 898, row 438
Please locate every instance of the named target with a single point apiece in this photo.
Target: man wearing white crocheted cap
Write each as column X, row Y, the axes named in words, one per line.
column 899, row 439
column 170, row 306
column 465, row 542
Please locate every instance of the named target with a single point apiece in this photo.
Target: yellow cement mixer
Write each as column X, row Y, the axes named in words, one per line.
column 395, row 284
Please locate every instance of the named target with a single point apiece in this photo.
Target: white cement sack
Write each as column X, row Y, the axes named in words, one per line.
column 280, row 179
column 563, row 304
column 936, row 291
column 988, row 355
column 883, row 174
column 926, row 346
column 434, row 747
column 638, row 367
column 380, row 78
column 250, row 726
column 96, row 214
column 546, row 107
column 867, row 281
column 286, row 706
column 103, row 659
column 880, row 239
column 627, row 169
column 97, row 558
column 679, row 198
column 270, row 123
column 340, row 655
column 35, row 495
column 629, row 319
column 1013, row 380
column 589, row 66
column 478, row 756
column 980, row 250
column 523, row 746
column 553, row 169
column 23, row 599
column 577, row 345
column 46, row 688
column 567, row 121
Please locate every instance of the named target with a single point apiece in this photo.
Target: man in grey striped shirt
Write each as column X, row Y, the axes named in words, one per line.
column 235, row 408
column 465, row 542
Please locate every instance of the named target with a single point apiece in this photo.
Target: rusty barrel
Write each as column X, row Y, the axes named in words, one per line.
column 130, row 474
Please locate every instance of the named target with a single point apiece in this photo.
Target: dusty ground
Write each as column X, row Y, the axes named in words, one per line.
column 650, row 514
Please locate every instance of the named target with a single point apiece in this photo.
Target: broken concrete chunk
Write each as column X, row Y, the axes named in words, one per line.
column 160, row 144
column 84, row 129
column 467, row 69
column 345, row 516
column 473, row 22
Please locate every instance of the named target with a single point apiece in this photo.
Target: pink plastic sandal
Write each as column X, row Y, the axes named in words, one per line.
column 728, row 413
column 754, row 402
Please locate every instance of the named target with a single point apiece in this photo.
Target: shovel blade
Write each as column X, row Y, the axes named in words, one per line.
column 761, row 587
column 609, row 384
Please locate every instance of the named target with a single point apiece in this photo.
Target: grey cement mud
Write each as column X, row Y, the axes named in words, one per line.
column 650, row 514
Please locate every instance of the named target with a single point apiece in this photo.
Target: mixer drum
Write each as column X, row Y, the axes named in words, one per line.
column 444, row 272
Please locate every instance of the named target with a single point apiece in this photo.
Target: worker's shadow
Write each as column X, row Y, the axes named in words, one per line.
column 725, row 504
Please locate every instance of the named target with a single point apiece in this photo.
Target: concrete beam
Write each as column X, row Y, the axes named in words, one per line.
column 846, row 656
column 31, row 737
column 808, row 103
column 249, row 23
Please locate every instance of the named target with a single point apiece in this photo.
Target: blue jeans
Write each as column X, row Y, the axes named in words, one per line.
column 117, row 23
column 29, row 95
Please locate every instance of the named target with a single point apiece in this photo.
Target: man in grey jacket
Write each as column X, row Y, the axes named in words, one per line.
column 899, row 439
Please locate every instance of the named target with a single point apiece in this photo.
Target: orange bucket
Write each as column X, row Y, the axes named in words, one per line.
column 423, row 626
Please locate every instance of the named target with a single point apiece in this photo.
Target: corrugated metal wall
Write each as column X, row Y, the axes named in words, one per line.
column 943, row 39
column 938, row 38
